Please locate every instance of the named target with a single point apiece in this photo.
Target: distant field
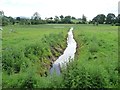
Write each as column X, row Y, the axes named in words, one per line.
column 21, row 35
column 27, row 49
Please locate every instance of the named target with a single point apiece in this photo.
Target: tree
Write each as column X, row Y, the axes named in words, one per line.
column 48, row 20
column 18, row 18
column 110, row 18
column 117, row 21
column 61, row 17
column 24, row 21
column 56, row 19
column 36, row 19
column 67, row 19
column 84, row 19
column 95, row 21
column 90, row 22
column 36, row 16
column 12, row 20
column 100, row 18
column 1, row 13
column 73, row 18
column 51, row 18
column 5, row 20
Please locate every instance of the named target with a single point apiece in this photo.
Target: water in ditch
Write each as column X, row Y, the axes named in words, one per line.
column 68, row 54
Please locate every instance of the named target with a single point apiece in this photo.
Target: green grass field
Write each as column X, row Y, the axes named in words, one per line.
column 27, row 34
column 28, row 50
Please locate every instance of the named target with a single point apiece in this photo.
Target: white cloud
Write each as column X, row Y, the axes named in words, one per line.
column 48, row 8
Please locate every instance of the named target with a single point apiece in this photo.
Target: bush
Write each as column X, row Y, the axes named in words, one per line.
column 117, row 24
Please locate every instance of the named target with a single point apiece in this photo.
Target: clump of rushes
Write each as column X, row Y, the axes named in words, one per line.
column 93, row 47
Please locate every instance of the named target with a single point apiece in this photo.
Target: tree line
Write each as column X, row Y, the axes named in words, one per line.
column 36, row 19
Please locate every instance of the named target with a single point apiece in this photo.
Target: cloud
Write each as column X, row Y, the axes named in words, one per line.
column 48, row 8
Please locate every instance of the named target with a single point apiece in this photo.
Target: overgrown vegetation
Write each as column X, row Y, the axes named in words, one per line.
column 95, row 64
column 24, row 60
column 33, row 59
column 96, row 61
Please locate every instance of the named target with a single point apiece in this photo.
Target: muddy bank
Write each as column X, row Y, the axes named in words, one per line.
column 56, row 50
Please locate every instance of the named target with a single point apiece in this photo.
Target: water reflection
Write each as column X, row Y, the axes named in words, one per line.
column 67, row 55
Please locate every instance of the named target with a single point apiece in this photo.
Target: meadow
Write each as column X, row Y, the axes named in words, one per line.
column 29, row 50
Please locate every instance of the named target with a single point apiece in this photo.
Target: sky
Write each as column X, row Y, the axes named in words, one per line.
column 51, row 8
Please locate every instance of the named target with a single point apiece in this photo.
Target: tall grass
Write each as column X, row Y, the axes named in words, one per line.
column 95, row 64
column 21, row 64
column 96, row 61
